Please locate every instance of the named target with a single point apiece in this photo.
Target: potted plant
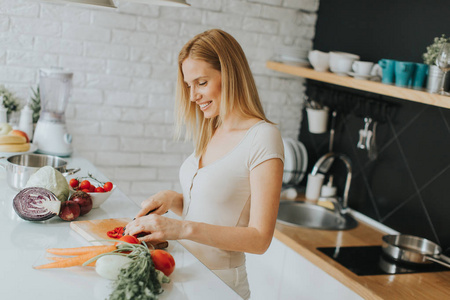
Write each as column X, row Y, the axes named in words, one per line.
column 10, row 101
column 435, row 75
column 35, row 104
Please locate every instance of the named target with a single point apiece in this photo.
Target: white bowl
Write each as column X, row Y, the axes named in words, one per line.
column 319, row 60
column 341, row 62
column 98, row 198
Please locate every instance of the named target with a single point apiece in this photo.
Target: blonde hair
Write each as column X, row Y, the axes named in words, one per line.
column 239, row 93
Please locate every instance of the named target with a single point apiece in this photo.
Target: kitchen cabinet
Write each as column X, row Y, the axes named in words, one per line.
column 282, row 273
column 363, row 85
column 305, row 241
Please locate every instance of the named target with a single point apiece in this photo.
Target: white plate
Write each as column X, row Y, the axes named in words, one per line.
column 301, row 63
column 33, row 148
column 304, row 160
column 358, row 76
column 289, row 162
column 298, row 160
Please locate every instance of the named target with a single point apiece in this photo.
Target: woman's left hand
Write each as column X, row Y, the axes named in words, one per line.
column 155, row 228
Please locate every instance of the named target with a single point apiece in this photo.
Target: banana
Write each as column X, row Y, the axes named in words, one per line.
column 13, row 143
column 15, row 147
column 12, row 139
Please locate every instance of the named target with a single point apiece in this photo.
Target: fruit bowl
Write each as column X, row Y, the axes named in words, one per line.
column 97, row 198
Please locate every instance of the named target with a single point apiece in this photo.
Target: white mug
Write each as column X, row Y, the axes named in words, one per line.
column 362, row 67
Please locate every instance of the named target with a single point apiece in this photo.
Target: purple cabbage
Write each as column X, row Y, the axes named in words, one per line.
column 36, row 204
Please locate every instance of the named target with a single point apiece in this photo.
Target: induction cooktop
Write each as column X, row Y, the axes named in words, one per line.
column 370, row 260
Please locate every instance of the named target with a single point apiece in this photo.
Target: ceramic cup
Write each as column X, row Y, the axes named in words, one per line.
column 341, row 62
column 387, row 70
column 314, row 186
column 403, row 73
column 317, row 120
column 319, row 60
column 419, row 76
column 362, row 68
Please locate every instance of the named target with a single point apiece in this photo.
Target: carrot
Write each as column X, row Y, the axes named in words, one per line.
column 78, row 250
column 76, row 260
column 59, row 258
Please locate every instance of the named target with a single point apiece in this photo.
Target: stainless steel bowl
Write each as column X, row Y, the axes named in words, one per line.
column 20, row 167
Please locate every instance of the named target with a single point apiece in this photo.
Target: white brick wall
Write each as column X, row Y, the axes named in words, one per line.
column 124, row 64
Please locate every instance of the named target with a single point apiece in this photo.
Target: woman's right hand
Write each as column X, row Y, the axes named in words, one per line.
column 159, row 203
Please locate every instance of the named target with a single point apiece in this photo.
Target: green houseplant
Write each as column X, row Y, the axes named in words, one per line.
column 435, row 75
column 430, row 56
column 35, row 104
column 10, row 101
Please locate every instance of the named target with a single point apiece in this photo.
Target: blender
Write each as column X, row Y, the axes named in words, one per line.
column 51, row 136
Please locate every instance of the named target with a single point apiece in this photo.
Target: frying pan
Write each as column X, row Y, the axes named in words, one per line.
column 413, row 249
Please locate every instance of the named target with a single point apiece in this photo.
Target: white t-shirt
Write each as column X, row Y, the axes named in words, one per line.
column 219, row 193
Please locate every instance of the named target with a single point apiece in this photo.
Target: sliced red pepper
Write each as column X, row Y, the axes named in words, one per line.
column 116, row 233
column 119, row 232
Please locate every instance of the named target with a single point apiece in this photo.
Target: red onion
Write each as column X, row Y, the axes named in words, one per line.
column 84, row 200
column 70, row 210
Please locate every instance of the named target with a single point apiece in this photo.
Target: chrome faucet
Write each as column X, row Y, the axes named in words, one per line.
column 323, row 166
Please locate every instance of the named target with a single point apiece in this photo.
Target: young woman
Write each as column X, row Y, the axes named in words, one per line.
column 231, row 184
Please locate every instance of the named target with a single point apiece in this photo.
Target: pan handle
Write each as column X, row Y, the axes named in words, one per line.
column 71, row 172
column 436, row 260
column 444, row 258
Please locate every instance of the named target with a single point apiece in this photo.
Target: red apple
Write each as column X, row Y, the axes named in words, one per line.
column 19, row 133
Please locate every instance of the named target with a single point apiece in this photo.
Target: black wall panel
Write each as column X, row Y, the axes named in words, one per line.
column 407, row 187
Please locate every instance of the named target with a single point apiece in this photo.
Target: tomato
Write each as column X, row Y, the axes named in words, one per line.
column 74, row 182
column 92, row 189
column 129, row 239
column 86, row 190
column 99, row 190
column 163, row 261
column 85, row 184
column 108, row 186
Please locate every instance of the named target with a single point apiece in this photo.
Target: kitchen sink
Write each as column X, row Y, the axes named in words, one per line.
column 308, row 215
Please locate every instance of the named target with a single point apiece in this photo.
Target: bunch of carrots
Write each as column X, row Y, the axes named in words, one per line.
column 71, row 257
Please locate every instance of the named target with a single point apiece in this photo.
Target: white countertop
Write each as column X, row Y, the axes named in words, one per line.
column 24, row 244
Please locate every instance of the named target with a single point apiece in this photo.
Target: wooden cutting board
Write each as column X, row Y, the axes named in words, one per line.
column 96, row 229
column 93, row 230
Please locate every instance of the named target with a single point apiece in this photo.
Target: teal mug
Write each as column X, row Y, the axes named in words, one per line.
column 388, row 70
column 419, row 77
column 403, row 73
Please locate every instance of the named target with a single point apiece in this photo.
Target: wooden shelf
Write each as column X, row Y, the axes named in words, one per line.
column 363, row 85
